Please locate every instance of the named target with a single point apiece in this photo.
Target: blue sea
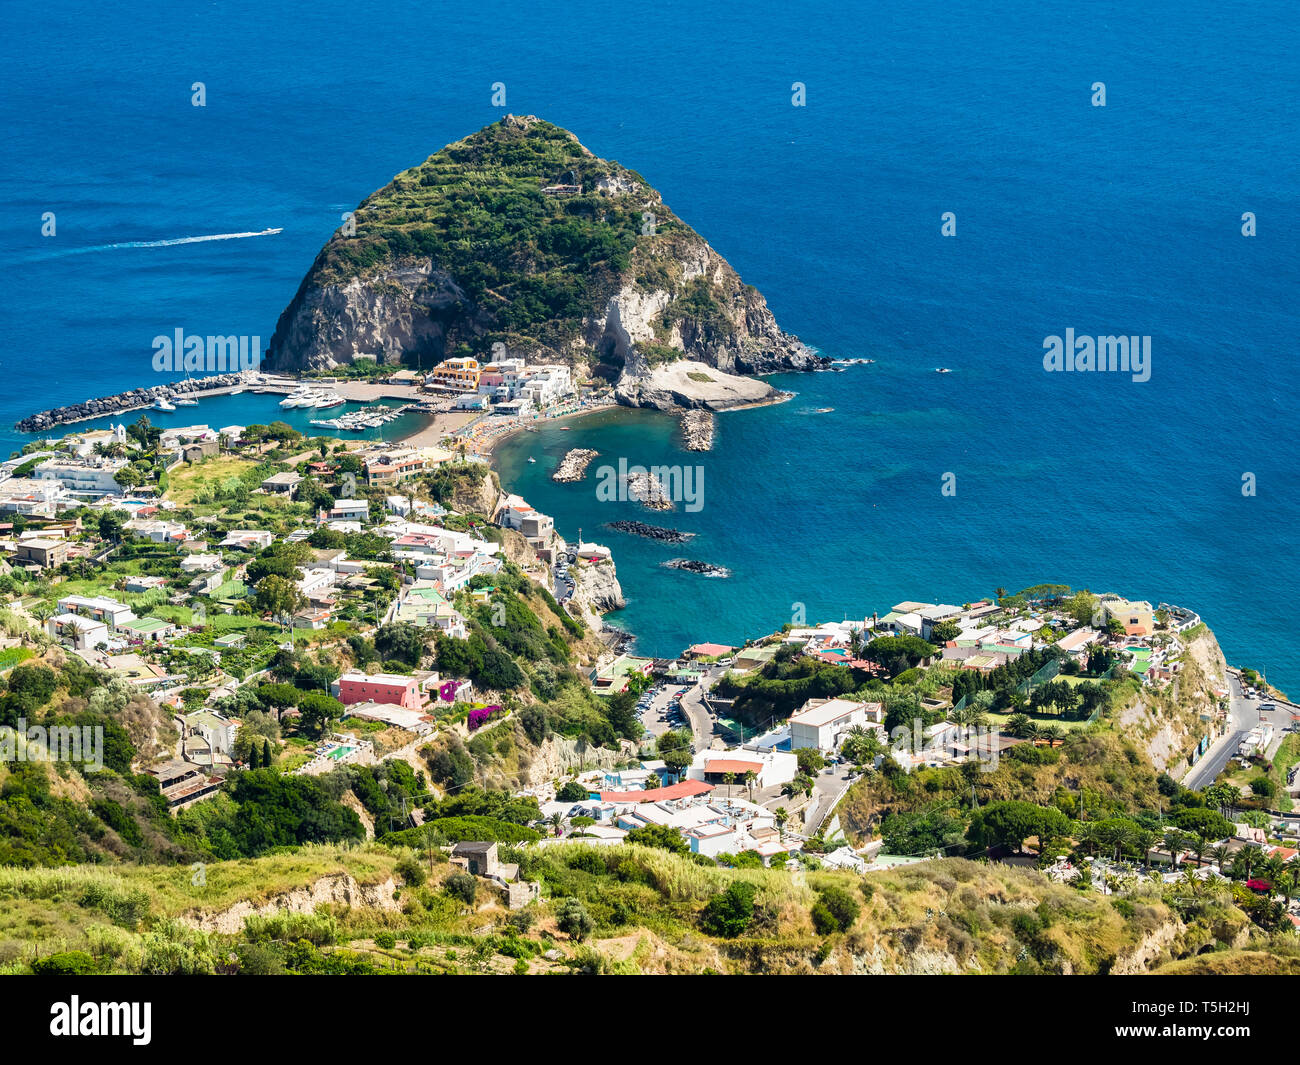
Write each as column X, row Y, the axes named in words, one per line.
column 1122, row 219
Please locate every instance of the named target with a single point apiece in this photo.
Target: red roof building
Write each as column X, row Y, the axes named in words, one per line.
column 684, row 790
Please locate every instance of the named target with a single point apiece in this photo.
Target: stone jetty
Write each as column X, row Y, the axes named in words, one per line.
column 704, row 569
column 574, row 465
column 651, row 532
column 124, row 401
column 697, row 430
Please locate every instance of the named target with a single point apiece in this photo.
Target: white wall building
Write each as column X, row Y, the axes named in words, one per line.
column 822, row 723
column 91, row 475
column 771, row 767
column 79, row 633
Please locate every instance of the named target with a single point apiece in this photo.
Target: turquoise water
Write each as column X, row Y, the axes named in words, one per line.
column 823, row 516
column 1124, row 219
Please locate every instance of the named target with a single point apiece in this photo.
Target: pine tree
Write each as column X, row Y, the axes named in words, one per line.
column 266, row 753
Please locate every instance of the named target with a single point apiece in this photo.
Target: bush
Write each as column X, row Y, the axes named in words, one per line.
column 68, row 963
column 411, row 871
column 661, row 836
column 385, row 940
column 573, row 920
column 823, row 920
column 572, row 792
column 834, row 911
column 730, row 913
column 461, row 886
column 260, row 959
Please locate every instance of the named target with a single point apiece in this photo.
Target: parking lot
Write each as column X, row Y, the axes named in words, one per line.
column 660, row 710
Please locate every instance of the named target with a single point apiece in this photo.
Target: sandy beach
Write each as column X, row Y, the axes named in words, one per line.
column 442, row 425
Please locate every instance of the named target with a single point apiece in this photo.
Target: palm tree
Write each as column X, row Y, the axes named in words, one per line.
column 856, row 642
column 751, row 778
column 1146, row 838
column 730, row 780
column 1220, row 856
column 1289, row 882
column 1176, row 841
column 1233, row 795
column 1272, row 868
column 1000, row 593
column 557, row 822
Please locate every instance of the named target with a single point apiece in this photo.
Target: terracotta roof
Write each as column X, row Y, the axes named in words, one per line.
column 684, row 790
column 732, row 765
column 709, row 650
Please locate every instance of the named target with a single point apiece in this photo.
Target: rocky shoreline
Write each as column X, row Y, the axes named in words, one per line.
column 704, row 569
column 136, row 399
column 574, row 465
column 697, row 430
column 651, row 532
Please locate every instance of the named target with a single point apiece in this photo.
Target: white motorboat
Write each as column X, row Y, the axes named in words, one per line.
column 328, row 399
column 161, row 404
column 185, row 401
column 300, row 397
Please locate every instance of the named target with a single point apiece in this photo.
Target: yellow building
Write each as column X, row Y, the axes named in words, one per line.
column 1137, row 618
column 460, row 374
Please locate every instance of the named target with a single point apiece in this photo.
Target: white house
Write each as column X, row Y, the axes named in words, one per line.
column 98, row 608
column 90, row 475
column 771, row 767
column 248, row 539
column 346, row 510
column 822, row 723
column 79, row 633
column 156, row 530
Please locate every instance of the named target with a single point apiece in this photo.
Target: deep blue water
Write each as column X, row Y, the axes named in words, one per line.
column 1123, row 219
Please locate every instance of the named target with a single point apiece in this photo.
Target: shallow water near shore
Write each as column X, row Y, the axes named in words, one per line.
column 820, row 516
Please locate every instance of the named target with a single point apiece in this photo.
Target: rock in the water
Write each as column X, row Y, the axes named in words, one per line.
column 704, row 569
column 651, row 291
column 574, row 465
column 651, row 532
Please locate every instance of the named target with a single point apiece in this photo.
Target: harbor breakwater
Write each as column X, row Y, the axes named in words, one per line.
column 573, row 465
column 136, row 399
column 697, row 430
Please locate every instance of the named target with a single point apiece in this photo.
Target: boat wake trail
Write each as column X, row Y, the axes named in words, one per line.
column 162, row 243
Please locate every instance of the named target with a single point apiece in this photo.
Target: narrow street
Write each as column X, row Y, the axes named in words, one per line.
column 1243, row 715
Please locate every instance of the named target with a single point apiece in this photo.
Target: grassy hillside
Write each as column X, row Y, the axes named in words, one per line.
column 646, row 910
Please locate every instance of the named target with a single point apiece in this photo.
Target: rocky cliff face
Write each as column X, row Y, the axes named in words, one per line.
column 596, row 590
column 518, row 236
column 1169, row 722
column 336, row 888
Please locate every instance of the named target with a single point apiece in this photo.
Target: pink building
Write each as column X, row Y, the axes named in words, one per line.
column 392, row 688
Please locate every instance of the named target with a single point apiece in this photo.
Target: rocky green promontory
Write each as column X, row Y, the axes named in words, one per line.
column 519, row 236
